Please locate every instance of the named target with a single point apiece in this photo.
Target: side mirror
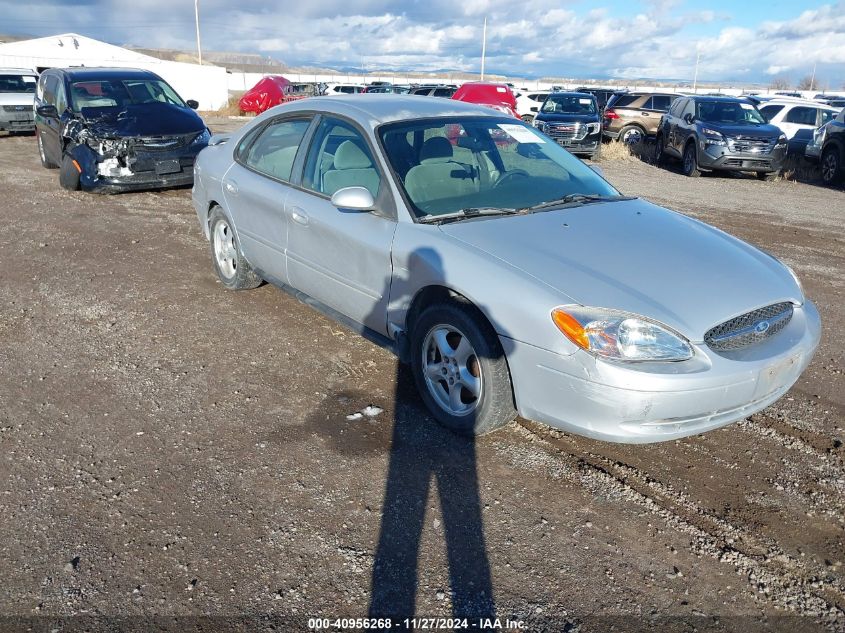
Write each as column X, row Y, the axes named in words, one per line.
column 689, row 118
column 193, row 104
column 47, row 111
column 353, row 199
column 598, row 170
column 534, row 109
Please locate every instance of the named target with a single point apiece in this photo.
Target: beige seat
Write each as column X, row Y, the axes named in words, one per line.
column 278, row 163
column 439, row 176
column 352, row 168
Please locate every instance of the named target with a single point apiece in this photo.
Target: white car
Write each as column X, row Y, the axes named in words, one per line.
column 343, row 89
column 528, row 103
column 791, row 115
column 17, row 99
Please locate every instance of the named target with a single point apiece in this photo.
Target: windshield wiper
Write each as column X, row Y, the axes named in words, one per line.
column 575, row 199
column 468, row 212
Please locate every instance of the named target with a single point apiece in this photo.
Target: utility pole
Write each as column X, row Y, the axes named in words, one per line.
column 197, row 18
column 813, row 79
column 483, row 47
column 695, row 78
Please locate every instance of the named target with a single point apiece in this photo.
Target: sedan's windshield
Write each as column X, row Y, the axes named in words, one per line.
column 446, row 165
column 121, row 93
column 728, row 112
column 569, row 104
column 17, row 83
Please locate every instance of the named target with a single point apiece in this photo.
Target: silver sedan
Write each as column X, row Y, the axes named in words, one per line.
column 512, row 277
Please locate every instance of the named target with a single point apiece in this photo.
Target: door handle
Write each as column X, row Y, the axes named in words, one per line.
column 299, row 216
column 231, row 187
column 646, row 114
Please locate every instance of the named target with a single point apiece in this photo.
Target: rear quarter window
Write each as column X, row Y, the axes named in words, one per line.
column 770, row 111
column 626, row 101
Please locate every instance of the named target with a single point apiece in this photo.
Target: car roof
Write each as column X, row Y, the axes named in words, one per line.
column 94, row 74
column 18, row 71
column 798, row 103
column 386, row 108
column 573, row 93
column 715, row 99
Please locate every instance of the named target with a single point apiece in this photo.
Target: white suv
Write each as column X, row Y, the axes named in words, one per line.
column 528, row 103
column 343, row 89
column 791, row 115
column 17, row 99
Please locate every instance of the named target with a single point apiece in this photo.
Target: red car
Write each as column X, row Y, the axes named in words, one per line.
column 268, row 92
column 496, row 96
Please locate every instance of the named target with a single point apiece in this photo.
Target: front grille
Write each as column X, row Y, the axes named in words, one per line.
column 165, row 143
column 748, row 164
column 751, row 144
column 566, row 131
column 17, row 108
column 749, row 328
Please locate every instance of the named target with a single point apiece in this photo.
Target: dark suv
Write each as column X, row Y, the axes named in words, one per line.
column 832, row 143
column 116, row 129
column 720, row 133
column 572, row 120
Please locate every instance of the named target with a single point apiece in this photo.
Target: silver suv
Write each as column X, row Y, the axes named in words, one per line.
column 17, row 99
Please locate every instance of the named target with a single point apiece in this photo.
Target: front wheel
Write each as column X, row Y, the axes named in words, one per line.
column 691, row 161
column 232, row 269
column 831, row 166
column 460, row 369
column 69, row 174
column 658, row 150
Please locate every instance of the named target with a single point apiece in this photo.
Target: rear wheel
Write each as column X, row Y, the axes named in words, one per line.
column 658, row 150
column 691, row 161
column 232, row 269
column 460, row 369
column 831, row 166
column 45, row 162
column 631, row 134
column 69, row 174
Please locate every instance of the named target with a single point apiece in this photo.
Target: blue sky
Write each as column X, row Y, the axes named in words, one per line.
column 738, row 42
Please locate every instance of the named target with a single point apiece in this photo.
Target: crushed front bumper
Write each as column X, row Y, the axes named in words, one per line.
column 141, row 171
column 631, row 403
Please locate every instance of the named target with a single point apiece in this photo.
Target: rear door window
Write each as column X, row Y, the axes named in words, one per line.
column 801, row 115
column 274, row 151
column 659, row 102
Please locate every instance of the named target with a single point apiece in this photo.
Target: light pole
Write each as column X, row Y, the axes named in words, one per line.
column 483, row 47
column 197, row 18
column 695, row 78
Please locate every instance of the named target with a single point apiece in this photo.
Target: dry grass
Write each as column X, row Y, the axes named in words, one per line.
column 616, row 151
column 231, row 109
column 799, row 169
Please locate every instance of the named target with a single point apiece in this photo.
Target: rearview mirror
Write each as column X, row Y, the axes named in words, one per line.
column 689, row 118
column 353, row 199
column 193, row 104
column 48, row 111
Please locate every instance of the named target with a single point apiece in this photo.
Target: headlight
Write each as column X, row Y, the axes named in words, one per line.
column 713, row 137
column 203, row 137
column 782, row 140
column 620, row 336
column 540, row 125
column 593, row 128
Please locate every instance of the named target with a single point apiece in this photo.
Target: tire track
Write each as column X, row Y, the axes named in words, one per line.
column 775, row 576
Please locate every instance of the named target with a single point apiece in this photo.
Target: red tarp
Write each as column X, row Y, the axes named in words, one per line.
column 268, row 92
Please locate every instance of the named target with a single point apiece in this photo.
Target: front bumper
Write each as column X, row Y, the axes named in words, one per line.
column 589, row 145
column 635, row 404
column 719, row 157
column 19, row 121
column 143, row 170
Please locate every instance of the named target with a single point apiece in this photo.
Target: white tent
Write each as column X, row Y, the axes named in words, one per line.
column 206, row 84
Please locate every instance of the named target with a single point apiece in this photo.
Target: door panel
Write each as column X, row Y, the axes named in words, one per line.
column 256, row 189
column 341, row 258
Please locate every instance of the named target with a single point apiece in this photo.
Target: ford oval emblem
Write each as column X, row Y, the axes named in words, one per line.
column 761, row 327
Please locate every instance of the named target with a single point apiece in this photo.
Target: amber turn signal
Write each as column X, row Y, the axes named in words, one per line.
column 574, row 331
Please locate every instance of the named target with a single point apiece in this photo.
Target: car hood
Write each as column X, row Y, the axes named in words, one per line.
column 549, row 117
column 17, row 98
column 635, row 256
column 160, row 119
column 765, row 130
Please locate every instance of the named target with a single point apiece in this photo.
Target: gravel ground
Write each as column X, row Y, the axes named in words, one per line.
column 177, row 457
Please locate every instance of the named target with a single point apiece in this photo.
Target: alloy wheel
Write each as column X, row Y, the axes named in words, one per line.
column 225, row 251
column 451, row 370
column 830, row 165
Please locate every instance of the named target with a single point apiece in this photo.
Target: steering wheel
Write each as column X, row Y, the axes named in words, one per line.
column 509, row 175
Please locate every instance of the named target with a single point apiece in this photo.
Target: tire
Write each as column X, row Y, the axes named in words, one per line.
column 658, row 150
column 631, row 135
column 770, row 176
column 69, row 174
column 45, row 162
column 690, row 162
column 453, row 342
column 234, row 272
column 831, row 166
column 528, row 118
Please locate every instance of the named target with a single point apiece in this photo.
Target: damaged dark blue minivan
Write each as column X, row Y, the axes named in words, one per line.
column 116, row 129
